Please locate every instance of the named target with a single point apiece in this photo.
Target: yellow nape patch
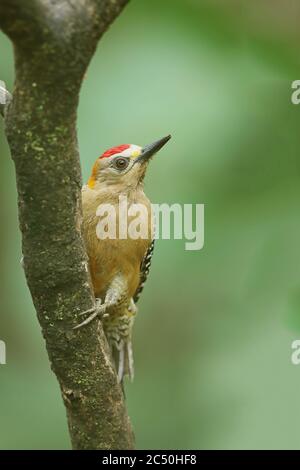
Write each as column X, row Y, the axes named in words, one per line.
column 136, row 153
column 91, row 182
column 93, row 177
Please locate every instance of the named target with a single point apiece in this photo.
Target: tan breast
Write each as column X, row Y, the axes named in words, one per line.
column 109, row 257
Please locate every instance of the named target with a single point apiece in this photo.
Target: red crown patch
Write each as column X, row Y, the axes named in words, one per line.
column 114, row 150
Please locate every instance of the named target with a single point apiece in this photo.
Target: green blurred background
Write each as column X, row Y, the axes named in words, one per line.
column 213, row 337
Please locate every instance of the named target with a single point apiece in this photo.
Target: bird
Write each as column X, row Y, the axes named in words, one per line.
column 118, row 265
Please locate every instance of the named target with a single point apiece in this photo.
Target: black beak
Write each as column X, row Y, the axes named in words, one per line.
column 151, row 149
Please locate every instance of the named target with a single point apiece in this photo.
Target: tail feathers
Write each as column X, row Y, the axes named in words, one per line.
column 123, row 359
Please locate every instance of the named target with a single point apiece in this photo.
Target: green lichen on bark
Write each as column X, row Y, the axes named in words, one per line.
column 53, row 44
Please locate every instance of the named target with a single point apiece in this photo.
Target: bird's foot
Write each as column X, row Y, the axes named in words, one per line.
column 99, row 310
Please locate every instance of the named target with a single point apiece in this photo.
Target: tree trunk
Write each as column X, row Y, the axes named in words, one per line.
column 53, row 44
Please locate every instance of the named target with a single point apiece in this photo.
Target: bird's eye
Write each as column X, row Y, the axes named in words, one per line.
column 121, row 163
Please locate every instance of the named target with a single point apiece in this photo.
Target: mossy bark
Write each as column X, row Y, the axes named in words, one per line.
column 53, row 44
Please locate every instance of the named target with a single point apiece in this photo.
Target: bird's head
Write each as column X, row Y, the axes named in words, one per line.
column 124, row 165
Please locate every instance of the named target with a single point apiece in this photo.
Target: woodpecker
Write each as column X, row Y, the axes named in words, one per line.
column 118, row 266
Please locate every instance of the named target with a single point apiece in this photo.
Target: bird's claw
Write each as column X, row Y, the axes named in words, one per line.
column 99, row 310
column 91, row 310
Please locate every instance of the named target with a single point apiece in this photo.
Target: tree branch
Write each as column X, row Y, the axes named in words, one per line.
column 53, row 44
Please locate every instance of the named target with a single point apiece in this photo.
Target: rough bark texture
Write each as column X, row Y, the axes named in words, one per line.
column 54, row 41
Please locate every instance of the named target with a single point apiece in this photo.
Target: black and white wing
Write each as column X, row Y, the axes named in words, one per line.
column 145, row 268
